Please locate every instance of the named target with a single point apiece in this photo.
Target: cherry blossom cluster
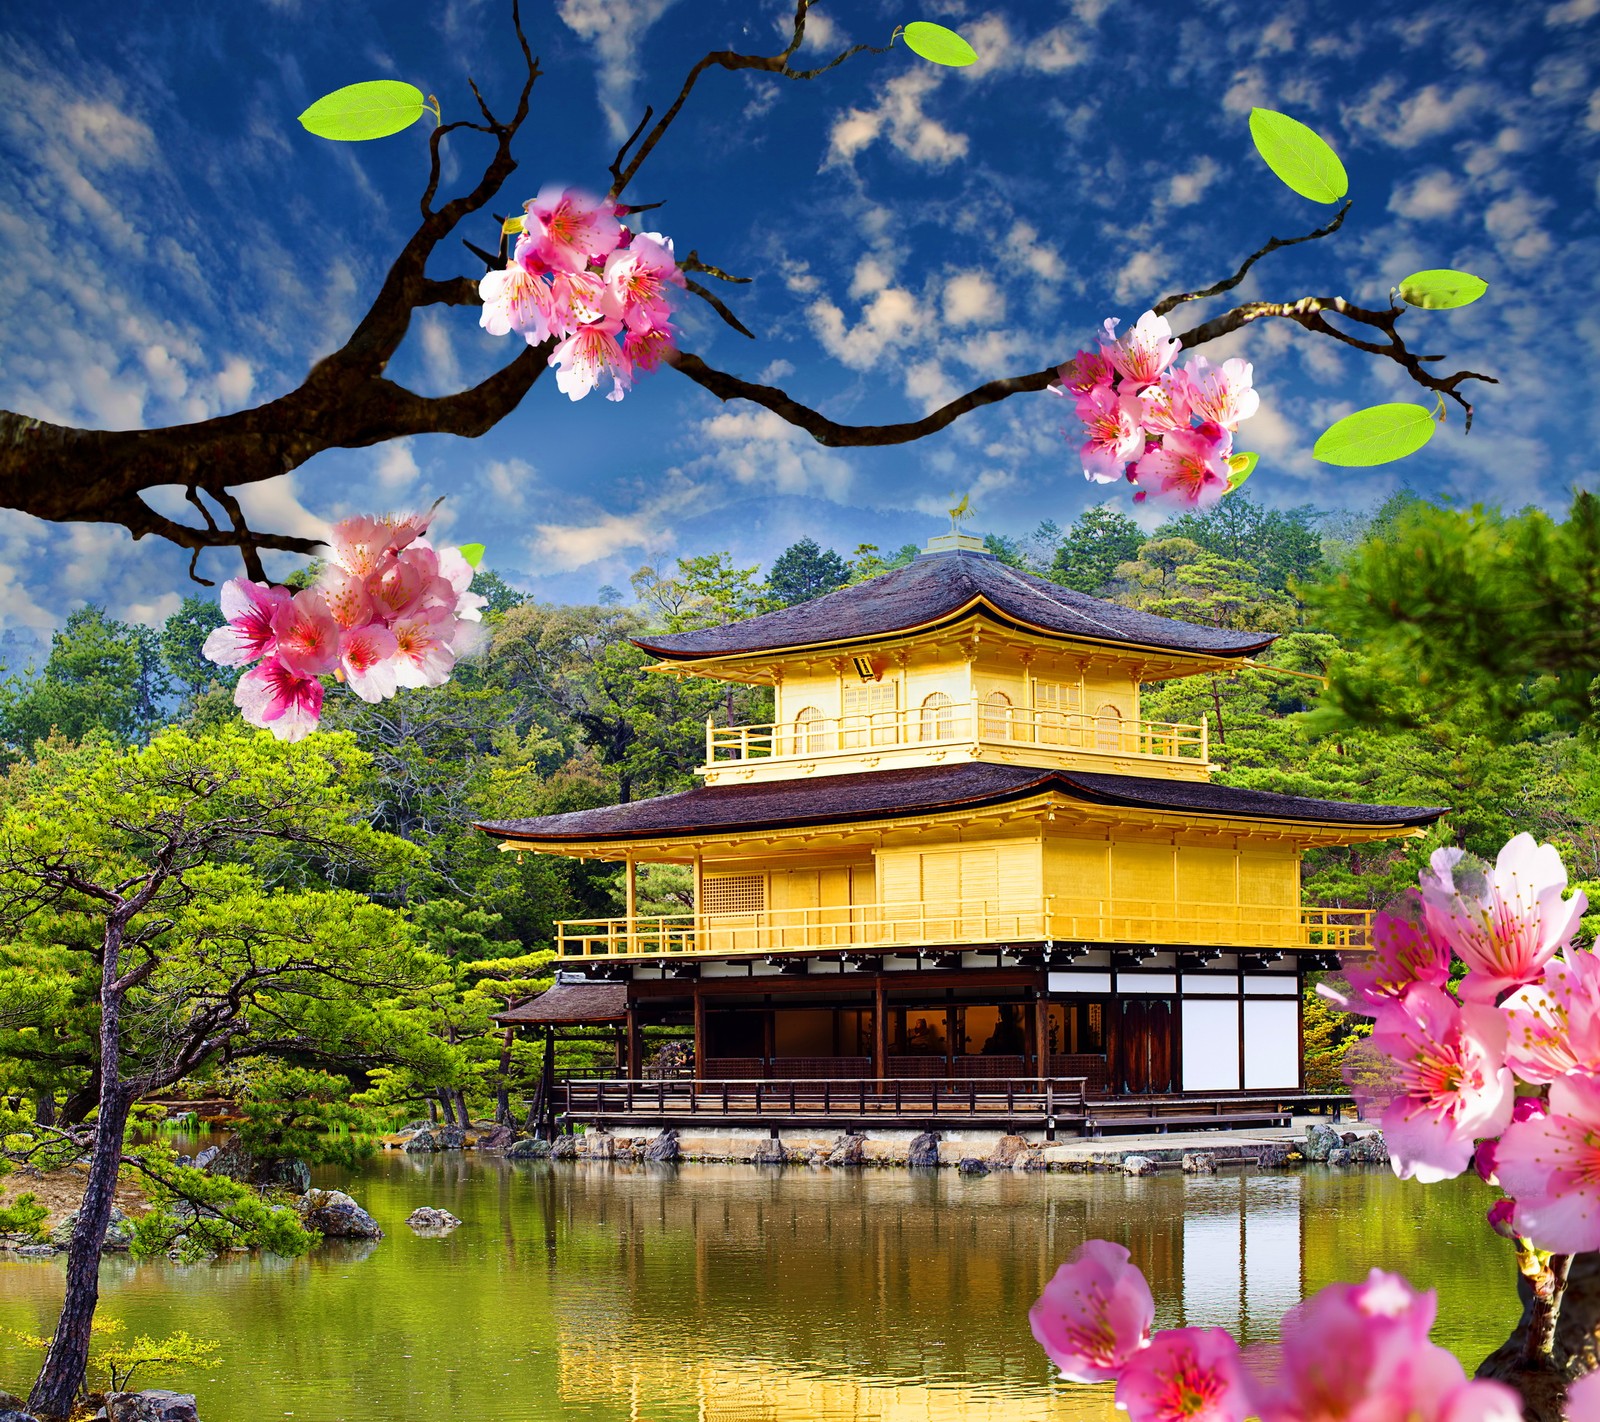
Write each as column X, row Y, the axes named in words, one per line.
column 1167, row 429
column 1504, row 1068
column 578, row 274
column 389, row 610
column 1357, row 1352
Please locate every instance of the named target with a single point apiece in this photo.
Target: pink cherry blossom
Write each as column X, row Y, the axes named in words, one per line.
column 1551, row 1165
column 1111, row 422
column 423, row 653
column 1450, row 1085
column 1501, row 1218
column 406, row 582
column 1095, row 1314
column 1165, row 406
column 1082, row 373
column 1555, row 1024
column 1504, row 923
column 1403, row 952
column 566, row 228
column 347, row 597
column 1222, row 392
column 248, row 635
column 1583, row 1399
column 638, row 276
column 516, row 299
column 578, row 299
column 1189, row 467
column 358, row 544
column 456, row 571
column 587, row 356
column 280, row 700
column 1145, row 351
column 308, row 635
column 645, row 350
column 367, row 659
column 1185, row 1375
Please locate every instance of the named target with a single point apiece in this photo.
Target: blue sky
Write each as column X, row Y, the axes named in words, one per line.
column 176, row 246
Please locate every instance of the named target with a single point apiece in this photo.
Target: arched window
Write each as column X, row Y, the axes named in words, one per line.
column 997, row 716
column 938, row 718
column 1108, row 727
column 808, row 731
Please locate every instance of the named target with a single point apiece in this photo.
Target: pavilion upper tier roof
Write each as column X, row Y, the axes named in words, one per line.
column 887, row 794
column 938, row 588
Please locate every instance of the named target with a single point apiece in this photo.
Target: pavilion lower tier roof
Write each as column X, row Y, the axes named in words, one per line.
column 889, row 794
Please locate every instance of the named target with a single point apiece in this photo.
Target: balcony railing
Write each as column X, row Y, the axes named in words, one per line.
column 977, row 722
column 962, row 922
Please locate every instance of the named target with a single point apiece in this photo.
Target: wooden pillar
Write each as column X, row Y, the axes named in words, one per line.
column 631, row 892
column 769, row 1041
column 632, row 1062
column 880, row 1029
column 699, row 1031
column 1041, row 1026
column 951, row 1046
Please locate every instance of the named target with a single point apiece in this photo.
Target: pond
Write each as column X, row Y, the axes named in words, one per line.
column 598, row 1293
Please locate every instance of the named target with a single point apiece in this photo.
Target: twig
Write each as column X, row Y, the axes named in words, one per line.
column 1167, row 303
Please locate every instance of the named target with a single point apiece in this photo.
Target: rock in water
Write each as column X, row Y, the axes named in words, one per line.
column 924, row 1150
column 848, row 1150
column 564, row 1148
column 151, row 1405
column 433, row 1221
column 770, row 1152
column 1199, row 1162
column 495, row 1138
column 450, row 1137
column 664, row 1147
column 1340, row 1157
column 119, row 1231
column 422, row 1142
column 334, row 1214
column 971, row 1165
column 529, row 1150
column 1138, row 1165
column 204, row 1159
column 1371, row 1148
column 1006, row 1151
column 1320, row 1140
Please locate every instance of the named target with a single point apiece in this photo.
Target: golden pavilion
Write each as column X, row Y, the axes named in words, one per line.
column 959, row 868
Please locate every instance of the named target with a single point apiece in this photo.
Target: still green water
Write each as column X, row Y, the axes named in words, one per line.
column 730, row 1294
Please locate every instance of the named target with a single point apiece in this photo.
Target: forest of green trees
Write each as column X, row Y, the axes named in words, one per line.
column 1462, row 651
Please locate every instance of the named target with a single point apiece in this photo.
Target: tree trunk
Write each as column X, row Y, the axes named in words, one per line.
column 502, row 1090
column 445, row 1108
column 460, row 1099
column 1544, row 1389
column 44, row 1108
column 67, row 1361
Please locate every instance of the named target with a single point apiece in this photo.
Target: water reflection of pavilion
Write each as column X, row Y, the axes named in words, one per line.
column 887, row 1297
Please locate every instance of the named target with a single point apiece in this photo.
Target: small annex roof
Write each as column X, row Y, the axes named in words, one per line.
column 887, row 794
column 937, row 588
column 570, row 1004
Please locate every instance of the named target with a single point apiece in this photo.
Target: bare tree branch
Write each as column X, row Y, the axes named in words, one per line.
column 1274, row 244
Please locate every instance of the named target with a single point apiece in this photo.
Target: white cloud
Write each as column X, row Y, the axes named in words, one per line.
column 1185, row 189
column 507, row 482
column 1022, row 245
column 971, row 298
column 1138, row 277
column 1561, row 76
column 396, row 467
column 873, row 273
column 614, row 28
column 1514, row 222
column 275, row 504
column 569, row 545
column 1572, row 12
column 1591, row 120
column 1429, row 112
column 235, row 381
column 898, row 115
column 439, row 354
column 890, row 320
column 763, row 450
column 1247, row 90
column 1434, row 194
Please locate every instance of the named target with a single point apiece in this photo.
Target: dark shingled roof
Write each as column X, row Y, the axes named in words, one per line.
column 569, row 1004
column 937, row 587
column 884, row 794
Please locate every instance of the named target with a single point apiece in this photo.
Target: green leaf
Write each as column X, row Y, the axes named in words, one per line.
column 472, row 552
column 938, row 45
column 374, row 109
column 511, row 226
column 1442, row 289
column 1377, row 435
column 1297, row 155
column 1240, row 468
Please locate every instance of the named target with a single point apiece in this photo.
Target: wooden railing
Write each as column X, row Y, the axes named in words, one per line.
column 974, row 722
column 1011, row 1098
column 955, row 922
